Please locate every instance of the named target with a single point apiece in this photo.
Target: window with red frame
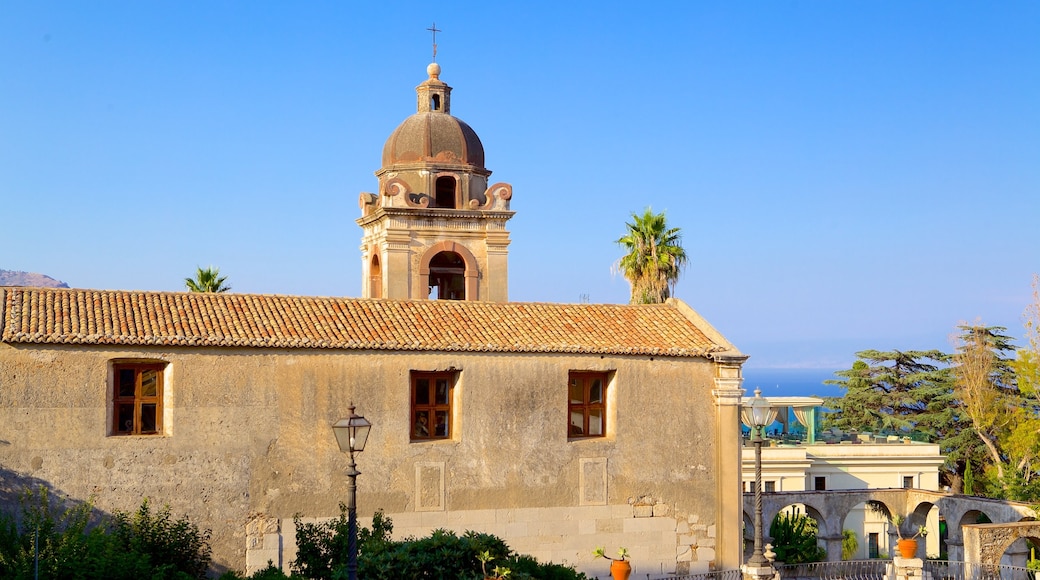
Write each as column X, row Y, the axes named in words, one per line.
column 587, row 404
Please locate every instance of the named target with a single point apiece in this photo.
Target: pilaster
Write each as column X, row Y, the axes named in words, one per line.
column 728, row 494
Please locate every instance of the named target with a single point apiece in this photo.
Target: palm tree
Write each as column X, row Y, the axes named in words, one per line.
column 654, row 260
column 207, row 280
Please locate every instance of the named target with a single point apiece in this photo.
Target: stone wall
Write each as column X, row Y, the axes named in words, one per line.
column 247, row 442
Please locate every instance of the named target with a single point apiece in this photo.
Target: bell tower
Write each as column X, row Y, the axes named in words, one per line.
column 435, row 229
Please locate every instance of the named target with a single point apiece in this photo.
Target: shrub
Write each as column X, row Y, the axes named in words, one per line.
column 321, row 554
column 73, row 542
column 794, row 539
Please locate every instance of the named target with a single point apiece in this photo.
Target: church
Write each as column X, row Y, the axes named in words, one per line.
column 559, row 427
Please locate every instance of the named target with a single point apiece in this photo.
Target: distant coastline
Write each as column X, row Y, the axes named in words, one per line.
column 788, row 382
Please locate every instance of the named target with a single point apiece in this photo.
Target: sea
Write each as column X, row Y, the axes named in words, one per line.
column 791, row 382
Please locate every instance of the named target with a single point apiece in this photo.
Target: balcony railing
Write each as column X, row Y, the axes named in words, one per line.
column 870, row 570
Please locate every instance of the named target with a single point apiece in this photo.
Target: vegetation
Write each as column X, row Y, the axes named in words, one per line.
column 795, row 539
column 601, row 553
column 981, row 404
column 443, row 554
column 72, row 541
column 207, row 280
column 654, row 260
column 849, row 544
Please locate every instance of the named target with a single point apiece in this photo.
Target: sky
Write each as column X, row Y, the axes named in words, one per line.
column 846, row 175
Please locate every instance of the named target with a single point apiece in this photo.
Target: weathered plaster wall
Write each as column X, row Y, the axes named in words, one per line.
column 248, row 438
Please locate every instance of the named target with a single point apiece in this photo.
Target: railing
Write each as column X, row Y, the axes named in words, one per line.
column 716, row 575
column 871, row 570
column 823, row 438
column 844, row 570
column 943, row 570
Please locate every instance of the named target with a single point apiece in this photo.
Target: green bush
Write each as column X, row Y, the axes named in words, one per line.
column 443, row 555
column 794, row 539
column 72, row 542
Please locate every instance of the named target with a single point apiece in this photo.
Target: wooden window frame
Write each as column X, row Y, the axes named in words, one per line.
column 426, row 411
column 138, row 401
column 586, row 407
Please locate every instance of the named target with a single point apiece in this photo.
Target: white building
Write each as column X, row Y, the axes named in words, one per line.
column 797, row 457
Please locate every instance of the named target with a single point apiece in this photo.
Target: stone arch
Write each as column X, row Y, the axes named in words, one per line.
column 375, row 275
column 471, row 272
column 989, row 542
column 446, row 191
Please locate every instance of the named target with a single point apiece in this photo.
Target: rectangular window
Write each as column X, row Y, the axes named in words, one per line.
column 908, row 481
column 820, row 483
column 769, row 486
column 587, row 404
column 137, row 395
column 431, row 405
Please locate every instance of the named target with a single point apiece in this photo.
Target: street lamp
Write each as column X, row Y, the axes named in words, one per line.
column 758, row 415
column 351, row 435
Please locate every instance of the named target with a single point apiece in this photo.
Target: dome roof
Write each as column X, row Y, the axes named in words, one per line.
column 433, row 136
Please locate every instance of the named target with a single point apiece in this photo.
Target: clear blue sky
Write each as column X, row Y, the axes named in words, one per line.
column 847, row 175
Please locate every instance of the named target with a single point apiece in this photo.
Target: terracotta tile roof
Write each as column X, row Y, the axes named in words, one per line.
column 102, row 317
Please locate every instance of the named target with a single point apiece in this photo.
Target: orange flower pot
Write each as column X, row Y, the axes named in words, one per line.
column 620, row 569
column 907, row 548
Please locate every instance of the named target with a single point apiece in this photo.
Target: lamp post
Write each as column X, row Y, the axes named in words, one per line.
column 351, row 435
column 758, row 415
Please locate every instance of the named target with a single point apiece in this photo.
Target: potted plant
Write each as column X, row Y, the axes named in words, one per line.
column 907, row 546
column 620, row 567
column 498, row 573
column 1034, row 563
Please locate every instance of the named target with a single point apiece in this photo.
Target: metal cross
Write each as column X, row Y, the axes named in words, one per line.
column 434, row 30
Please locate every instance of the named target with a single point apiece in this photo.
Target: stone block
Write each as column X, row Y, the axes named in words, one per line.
column 642, row 511
column 661, row 510
column 586, row 527
column 608, row 526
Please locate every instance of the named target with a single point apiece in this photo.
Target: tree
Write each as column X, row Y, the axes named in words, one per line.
column 654, row 260
column 985, row 386
column 892, row 391
column 1025, row 439
column 849, row 544
column 905, row 391
column 207, row 280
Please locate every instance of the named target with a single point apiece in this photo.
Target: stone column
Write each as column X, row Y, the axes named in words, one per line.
column 729, row 516
column 833, row 546
column 954, row 550
column 1018, row 553
column 907, row 569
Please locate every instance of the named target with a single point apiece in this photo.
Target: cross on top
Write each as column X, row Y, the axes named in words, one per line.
column 434, row 30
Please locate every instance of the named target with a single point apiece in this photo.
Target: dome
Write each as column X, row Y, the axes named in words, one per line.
column 433, row 137
column 432, row 134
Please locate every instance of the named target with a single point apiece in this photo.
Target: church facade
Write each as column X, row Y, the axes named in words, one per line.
column 560, row 427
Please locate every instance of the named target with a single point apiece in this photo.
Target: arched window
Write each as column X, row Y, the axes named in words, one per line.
column 447, row 277
column 445, row 196
column 375, row 278
column 435, row 103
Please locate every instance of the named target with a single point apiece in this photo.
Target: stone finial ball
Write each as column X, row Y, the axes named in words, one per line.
column 434, row 70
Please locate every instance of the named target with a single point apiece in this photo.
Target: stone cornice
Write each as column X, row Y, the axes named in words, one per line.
column 410, row 218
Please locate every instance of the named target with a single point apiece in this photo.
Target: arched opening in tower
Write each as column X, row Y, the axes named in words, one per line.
column 375, row 278
column 445, row 195
column 448, row 277
column 435, row 103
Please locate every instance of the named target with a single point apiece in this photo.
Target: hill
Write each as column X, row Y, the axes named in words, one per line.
column 15, row 278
